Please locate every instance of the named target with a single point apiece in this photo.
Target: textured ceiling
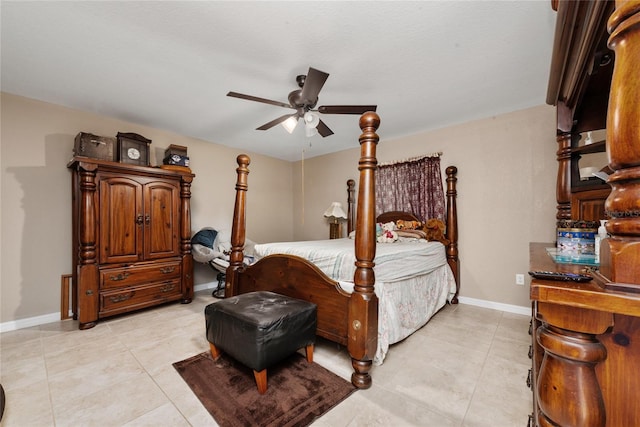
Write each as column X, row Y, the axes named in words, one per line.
column 169, row 65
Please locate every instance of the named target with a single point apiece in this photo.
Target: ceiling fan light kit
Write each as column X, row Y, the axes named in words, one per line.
column 304, row 100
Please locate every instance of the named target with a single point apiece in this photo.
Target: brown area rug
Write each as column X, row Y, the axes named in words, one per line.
column 298, row 392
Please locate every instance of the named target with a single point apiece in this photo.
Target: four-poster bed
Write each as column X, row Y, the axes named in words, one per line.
column 348, row 318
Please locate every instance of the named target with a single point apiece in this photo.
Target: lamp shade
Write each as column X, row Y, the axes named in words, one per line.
column 335, row 211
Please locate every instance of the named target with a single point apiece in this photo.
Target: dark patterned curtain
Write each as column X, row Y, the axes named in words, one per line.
column 412, row 186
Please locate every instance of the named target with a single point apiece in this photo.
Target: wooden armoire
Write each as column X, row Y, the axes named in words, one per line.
column 131, row 238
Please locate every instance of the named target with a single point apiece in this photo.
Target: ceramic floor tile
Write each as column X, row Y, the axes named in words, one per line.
column 19, row 336
column 165, row 415
column 87, row 378
column 28, row 406
column 23, row 372
column 112, row 406
column 92, row 350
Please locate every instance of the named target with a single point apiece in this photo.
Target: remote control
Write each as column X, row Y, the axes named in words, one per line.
column 555, row 275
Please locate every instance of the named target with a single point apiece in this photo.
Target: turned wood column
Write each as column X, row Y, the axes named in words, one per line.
column 567, row 391
column 452, row 228
column 363, row 304
column 87, row 253
column 239, row 224
column 620, row 254
column 563, row 181
column 185, row 239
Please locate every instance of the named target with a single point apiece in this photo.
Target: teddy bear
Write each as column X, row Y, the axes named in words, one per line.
column 435, row 231
column 408, row 225
column 385, row 233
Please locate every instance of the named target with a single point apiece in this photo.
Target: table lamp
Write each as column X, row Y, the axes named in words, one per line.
column 335, row 214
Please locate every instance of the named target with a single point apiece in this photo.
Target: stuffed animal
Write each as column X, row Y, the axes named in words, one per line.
column 435, row 231
column 408, row 225
column 387, row 233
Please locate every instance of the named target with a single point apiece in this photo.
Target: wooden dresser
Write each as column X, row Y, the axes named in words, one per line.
column 131, row 238
column 586, row 337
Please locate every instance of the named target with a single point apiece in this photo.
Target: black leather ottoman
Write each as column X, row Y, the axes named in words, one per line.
column 259, row 329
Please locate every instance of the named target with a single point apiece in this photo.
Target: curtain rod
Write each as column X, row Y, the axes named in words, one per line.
column 412, row 159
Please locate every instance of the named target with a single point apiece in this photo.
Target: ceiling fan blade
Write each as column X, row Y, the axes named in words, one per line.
column 323, row 129
column 277, row 121
column 346, row 109
column 312, row 84
column 257, row 99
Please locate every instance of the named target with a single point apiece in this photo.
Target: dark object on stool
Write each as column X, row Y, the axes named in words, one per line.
column 259, row 329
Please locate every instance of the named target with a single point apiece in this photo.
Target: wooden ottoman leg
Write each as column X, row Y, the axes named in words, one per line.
column 309, row 351
column 214, row 351
column 261, row 380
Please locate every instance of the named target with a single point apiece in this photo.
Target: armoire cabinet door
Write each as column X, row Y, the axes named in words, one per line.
column 162, row 213
column 121, row 220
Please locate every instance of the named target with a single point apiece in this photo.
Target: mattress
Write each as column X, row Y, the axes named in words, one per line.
column 397, row 261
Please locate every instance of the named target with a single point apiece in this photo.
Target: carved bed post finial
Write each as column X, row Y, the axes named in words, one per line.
column 239, row 224
column 363, row 304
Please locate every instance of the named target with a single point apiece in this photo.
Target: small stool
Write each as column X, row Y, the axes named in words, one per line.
column 259, row 329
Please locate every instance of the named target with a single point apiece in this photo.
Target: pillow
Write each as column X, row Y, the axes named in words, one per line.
column 416, row 234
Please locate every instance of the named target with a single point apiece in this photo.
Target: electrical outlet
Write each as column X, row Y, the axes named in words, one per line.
column 519, row 279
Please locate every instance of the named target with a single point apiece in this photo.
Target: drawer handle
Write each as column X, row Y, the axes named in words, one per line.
column 119, row 277
column 167, row 270
column 120, row 298
column 167, row 288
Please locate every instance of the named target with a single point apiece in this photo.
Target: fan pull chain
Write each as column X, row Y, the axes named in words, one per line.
column 302, row 186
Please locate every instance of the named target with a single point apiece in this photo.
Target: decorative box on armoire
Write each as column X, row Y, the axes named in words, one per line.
column 131, row 238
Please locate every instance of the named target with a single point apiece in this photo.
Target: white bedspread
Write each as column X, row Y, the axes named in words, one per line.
column 413, row 280
column 394, row 262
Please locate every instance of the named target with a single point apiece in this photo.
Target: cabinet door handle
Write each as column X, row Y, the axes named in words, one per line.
column 147, row 219
column 139, row 219
column 167, row 270
column 529, row 379
column 530, row 352
column 119, row 277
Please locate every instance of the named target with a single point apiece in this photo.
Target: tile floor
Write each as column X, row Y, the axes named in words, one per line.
column 466, row 367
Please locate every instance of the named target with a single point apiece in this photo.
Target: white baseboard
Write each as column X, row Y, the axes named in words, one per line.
column 205, row 286
column 509, row 308
column 13, row 325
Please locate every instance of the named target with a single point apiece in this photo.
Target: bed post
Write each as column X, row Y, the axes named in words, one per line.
column 351, row 212
column 363, row 304
column 239, row 225
column 452, row 228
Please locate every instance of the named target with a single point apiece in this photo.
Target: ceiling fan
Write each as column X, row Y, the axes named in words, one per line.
column 304, row 100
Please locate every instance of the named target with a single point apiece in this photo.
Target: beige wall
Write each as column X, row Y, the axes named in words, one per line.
column 506, row 193
column 36, row 144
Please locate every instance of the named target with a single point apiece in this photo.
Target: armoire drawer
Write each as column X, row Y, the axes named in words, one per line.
column 134, row 297
column 138, row 274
